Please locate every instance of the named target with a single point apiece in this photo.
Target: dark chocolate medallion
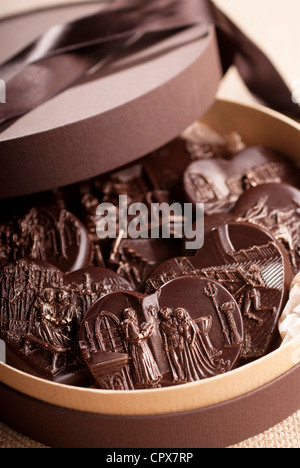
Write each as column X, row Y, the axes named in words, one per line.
column 191, row 329
column 275, row 207
column 49, row 234
column 252, row 265
column 219, row 183
column 41, row 309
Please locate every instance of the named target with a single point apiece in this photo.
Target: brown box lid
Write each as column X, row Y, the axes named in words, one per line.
column 134, row 105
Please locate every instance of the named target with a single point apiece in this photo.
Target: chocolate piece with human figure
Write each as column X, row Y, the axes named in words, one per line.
column 219, row 183
column 41, row 310
column 275, row 207
column 189, row 330
column 49, row 234
column 252, row 265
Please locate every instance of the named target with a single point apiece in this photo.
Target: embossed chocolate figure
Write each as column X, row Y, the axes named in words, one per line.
column 274, row 207
column 171, row 341
column 32, row 234
column 194, row 357
column 48, row 234
column 67, row 310
column 168, row 338
column 145, row 370
column 227, row 309
column 50, row 326
column 90, row 204
column 219, row 183
column 250, row 296
column 255, row 268
column 231, row 336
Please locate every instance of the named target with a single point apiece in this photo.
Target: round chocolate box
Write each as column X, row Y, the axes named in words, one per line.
column 231, row 407
column 140, row 344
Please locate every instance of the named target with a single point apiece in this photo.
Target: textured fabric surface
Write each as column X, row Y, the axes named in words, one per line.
column 12, row 439
column 284, row 435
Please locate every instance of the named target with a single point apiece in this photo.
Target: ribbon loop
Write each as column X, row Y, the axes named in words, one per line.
column 87, row 44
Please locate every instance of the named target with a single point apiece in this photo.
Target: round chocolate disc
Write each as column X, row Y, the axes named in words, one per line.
column 274, row 207
column 252, row 265
column 189, row 330
column 40, row 313
column 219, row 183
column 49, row 234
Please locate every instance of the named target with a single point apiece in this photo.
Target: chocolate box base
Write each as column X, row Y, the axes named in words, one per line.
column 212, row 413
column 217, row 426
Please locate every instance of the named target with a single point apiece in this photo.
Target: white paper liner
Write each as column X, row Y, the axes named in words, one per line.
column 200, row 134
column 289, row 323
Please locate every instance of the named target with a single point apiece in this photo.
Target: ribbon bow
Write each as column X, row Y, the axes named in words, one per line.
column 66, row 53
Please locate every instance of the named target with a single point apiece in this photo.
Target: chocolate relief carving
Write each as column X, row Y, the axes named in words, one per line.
column 134, row 259
column 203, row 339
column 274, row 207
column 53, row 322
column 48, row 234
column 219, row 183
column 22, row 284
column 114, row 341
column 252, row 266
column 163, row 339
column 41, row 309
column 39, row 318
column 129, row 312
column 284, row 224
column 145, row 370
column 188, row 346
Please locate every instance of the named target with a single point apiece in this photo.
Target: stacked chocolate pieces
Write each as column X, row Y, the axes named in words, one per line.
column 125, row 313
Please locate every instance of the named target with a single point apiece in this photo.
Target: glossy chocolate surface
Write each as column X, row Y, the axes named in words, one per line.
column 50, row 234
column 275, row 207
column 252, row 265
column 191, row 329
column 41, row 310
column 148, row 314
column 218, row 183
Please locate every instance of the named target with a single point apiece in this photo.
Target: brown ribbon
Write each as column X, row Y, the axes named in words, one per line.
column 65, row 54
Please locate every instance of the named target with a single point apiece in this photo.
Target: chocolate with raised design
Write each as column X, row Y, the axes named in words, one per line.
column 275, row 207
column 252, row 265
column 189, row 330
column 41, row 309
column 135, row 259
column 218, row 183
column 49, row 234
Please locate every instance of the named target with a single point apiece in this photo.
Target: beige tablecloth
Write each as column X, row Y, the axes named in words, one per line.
column 274, row 26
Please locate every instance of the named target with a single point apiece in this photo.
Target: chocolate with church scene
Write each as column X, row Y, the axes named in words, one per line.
column 124, row 313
